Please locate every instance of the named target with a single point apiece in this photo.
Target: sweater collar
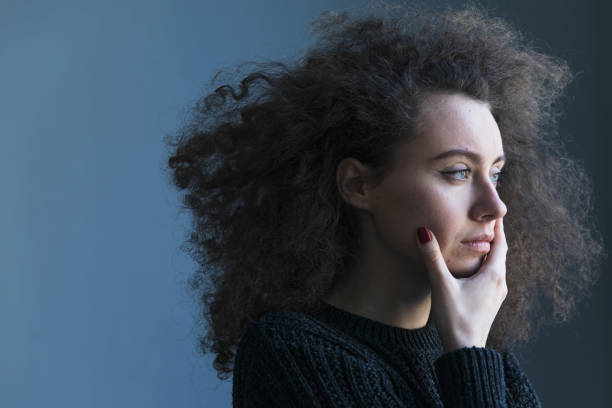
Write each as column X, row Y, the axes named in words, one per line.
column 379, row 334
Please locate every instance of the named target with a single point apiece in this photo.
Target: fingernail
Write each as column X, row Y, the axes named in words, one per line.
column 424, row 235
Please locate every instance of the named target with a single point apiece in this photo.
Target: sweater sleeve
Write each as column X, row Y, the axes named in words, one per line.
column 482, row 377
column 303, row 370
column 520, row 391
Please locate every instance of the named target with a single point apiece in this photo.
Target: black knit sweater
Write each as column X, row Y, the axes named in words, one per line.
column 334, row 358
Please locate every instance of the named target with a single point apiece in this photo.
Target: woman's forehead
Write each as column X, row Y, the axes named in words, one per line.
column 449, row 122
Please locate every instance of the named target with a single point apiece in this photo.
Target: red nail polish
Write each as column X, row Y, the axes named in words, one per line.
column 424, row 235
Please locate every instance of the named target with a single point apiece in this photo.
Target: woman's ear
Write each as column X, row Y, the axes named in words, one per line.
column 353, row 180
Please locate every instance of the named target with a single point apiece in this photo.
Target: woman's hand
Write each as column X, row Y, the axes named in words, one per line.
column 464, row 309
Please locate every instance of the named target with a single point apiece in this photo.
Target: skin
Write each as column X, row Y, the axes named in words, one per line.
column 393, row 277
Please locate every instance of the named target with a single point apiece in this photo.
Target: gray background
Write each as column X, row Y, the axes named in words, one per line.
column 93, row 301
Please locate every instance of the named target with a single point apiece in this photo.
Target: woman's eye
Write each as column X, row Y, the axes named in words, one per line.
column 497, row 176
column 463, row 174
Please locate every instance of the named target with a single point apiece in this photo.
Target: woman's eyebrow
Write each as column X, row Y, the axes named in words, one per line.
column 475, row 157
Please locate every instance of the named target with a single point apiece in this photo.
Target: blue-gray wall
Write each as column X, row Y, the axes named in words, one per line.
column 94, row 310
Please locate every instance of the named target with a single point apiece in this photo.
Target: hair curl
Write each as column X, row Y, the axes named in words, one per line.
column 258, row 161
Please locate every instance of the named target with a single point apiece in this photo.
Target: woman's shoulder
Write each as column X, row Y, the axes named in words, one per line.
column 285, row 330
column 286, row 357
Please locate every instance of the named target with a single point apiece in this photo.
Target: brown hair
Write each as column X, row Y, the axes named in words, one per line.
column 258, row 161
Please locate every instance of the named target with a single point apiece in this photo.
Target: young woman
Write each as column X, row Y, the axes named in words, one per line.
column 380, row 222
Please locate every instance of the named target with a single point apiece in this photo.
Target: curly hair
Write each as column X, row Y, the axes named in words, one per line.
column 258, row 159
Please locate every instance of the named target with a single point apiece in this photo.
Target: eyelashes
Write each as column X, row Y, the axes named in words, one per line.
column 499, row 175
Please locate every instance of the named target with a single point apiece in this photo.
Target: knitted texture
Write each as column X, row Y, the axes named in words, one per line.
column 334, row 358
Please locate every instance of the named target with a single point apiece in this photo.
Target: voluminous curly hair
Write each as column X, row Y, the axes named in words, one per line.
column 258, row 160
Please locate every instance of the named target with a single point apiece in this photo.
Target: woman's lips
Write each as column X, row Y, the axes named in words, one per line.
column 478, row 246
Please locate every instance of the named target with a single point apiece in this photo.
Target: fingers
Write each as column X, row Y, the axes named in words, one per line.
column 432, row 256
column 499, row 246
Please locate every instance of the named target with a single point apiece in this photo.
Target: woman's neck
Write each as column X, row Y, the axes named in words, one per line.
column 382, row 287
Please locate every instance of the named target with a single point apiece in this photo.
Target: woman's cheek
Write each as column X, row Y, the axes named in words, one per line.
column 396, row 226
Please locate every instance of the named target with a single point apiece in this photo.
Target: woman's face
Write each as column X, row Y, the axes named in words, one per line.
column 454, row 195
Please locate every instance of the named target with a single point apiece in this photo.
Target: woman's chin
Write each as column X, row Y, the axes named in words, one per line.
column 467, row 268
column 463, row 274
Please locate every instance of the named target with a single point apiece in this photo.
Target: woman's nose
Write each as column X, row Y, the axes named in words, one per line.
column 487, row 204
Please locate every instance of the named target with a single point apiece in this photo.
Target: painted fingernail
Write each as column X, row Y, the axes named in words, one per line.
column 424, row 235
